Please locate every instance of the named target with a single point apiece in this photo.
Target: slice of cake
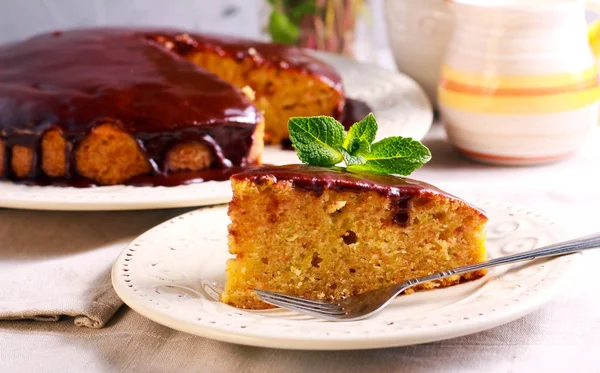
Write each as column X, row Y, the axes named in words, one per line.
column 323, row 233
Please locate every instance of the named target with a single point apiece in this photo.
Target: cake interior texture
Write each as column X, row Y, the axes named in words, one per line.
column 280, row 93
column 331, row 243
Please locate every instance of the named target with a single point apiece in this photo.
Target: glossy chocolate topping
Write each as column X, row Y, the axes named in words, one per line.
column 166, row 180
column 77, row 79
column 316, row 179
column 139, row 80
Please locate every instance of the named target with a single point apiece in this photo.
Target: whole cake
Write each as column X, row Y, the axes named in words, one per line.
column 325, row 233
column 127, row 106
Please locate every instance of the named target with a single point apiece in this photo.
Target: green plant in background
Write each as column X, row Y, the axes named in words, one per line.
column 284, row 21
column 317, row 24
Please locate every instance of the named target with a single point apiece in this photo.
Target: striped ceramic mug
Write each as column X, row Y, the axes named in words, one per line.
column 519, row 84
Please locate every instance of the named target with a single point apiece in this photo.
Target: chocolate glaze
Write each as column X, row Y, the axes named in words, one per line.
column 316, row 179
column 186, row 177
column 166, row 180
column 399, row 190
column 138, row 80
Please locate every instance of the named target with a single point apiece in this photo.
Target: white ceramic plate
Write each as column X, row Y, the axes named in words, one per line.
column 401, row 107
column 172, row 275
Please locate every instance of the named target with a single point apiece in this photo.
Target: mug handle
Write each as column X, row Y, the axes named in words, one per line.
column 594, row 27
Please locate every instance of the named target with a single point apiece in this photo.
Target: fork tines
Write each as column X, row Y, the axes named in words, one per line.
column 314, row 307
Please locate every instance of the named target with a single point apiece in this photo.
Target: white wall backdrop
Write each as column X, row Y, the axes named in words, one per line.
column 23, row 18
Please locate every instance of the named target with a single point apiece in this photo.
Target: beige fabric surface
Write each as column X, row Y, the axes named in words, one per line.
column 55, row 264
column 563, row 336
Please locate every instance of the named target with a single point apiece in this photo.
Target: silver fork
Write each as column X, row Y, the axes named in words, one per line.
column 369, row 303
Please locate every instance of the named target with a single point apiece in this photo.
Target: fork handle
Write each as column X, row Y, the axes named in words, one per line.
column 567, row 247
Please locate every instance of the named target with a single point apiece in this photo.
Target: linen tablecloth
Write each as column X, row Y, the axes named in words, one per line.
column 562, row 336
column 55, row 264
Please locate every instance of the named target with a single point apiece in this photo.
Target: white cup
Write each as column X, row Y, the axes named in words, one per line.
column 419, row 31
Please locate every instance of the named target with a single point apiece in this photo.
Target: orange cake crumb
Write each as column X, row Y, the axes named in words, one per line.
column 323, row 234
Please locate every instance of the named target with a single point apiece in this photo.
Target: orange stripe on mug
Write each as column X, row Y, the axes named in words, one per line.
column 540, row 104
column 491, row 79
column 522, row 91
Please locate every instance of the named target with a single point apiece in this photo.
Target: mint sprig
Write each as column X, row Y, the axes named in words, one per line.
column 322, row 141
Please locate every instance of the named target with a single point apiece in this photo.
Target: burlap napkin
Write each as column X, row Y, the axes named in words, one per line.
column 55, row 264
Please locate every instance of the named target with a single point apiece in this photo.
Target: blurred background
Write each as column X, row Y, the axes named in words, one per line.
column 248, row 18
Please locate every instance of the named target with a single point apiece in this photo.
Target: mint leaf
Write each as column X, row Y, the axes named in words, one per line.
column 361, row 135
column 321, row 141
column 394, row 155
column 282, row 29
column 317, row 139
column 350, row 159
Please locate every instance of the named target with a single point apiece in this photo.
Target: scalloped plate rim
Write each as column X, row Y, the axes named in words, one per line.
column 416, row 336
